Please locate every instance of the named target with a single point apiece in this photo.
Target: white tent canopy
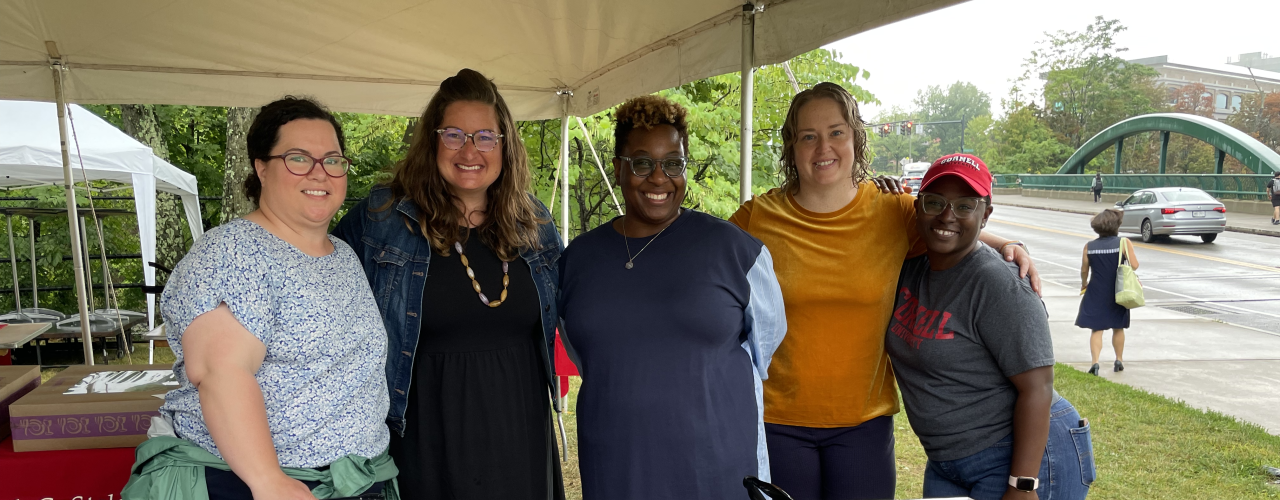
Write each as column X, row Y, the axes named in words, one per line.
column 30, row 155
column 388, row 56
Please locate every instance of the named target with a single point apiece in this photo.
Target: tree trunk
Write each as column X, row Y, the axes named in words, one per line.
column 140, row 122
column 234, row 201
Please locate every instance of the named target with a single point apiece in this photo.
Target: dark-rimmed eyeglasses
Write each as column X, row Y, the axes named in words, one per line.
column 963, row 208
column 643, row 166
column 455, row 138
column 302, row 164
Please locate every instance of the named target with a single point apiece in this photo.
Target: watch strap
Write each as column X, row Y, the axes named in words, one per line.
column 1019, row 483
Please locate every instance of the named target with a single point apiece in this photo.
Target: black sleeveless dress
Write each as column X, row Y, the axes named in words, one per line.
column 478, row 424
column 1099, row 310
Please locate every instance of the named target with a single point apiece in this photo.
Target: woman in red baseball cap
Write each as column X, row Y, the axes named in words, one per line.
column 971, row 351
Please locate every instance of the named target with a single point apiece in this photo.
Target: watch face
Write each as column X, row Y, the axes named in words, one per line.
column 1026, row 484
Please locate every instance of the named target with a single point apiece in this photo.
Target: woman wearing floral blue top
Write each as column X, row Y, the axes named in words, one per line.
column 280, row 348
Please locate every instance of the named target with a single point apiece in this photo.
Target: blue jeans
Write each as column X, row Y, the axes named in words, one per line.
column 1066, row 471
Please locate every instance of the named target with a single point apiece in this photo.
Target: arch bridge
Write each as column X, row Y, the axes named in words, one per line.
column 1227, row 139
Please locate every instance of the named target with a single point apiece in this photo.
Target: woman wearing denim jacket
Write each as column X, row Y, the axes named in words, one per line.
column 462, row 262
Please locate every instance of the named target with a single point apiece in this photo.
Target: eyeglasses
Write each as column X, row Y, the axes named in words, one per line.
column 933, row 204
column 643, row 166
column 455, row 138
column 303, row 164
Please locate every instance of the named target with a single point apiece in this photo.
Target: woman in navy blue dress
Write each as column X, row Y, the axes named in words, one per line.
column 1099, row 310
column 673, row 315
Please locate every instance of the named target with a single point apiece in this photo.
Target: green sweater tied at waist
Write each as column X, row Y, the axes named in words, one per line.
column 173, row 468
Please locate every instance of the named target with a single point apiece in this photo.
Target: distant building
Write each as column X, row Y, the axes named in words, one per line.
column 1227, row 85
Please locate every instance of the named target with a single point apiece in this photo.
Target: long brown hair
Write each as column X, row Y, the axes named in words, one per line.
column 511, row 218
column 791, row 133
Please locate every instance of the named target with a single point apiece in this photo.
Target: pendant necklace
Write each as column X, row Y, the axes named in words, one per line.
column 506, row 280
column 630, row 258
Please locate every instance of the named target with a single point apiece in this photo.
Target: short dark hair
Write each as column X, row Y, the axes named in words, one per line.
column 264, row 133
column 648, row 111
column 1107, row 222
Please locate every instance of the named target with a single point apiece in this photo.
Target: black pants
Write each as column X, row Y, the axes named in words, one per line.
column 1097, row 195
column 225, row 485
column 844, row 463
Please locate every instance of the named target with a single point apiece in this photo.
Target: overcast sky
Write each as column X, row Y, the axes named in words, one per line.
column 985, row 41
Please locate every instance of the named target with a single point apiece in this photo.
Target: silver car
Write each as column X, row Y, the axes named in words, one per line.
column 1161, row 212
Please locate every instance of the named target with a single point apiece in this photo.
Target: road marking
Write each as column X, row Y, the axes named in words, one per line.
column 1146, row 246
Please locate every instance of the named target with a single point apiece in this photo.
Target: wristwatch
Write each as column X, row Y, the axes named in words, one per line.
column 1022, row 483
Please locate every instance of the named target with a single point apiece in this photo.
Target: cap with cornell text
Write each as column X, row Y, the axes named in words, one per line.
column 967, row 167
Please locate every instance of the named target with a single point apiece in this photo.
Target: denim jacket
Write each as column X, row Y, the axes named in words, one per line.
column 395, row 259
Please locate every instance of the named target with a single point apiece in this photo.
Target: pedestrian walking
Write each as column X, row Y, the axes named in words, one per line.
column 1097, row 187
column 1273, row 191
column 1099, row 310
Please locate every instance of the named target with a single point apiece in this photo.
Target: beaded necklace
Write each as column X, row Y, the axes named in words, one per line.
column 506, row 280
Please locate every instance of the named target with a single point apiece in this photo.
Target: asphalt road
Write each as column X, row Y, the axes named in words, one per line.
column 1235, row 279
column 1210, row 334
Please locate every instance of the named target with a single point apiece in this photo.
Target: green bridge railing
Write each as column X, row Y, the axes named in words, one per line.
column 1239, row 187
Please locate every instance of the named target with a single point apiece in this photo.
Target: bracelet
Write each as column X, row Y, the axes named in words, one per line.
column 1015, row 242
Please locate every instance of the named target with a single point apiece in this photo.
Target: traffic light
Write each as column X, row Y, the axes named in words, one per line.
column 911, row 128
column 885, row 130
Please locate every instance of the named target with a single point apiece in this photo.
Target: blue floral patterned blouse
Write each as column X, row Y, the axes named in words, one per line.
column 323, row 378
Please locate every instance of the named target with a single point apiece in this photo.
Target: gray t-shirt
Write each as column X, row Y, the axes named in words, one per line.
column 955, row 338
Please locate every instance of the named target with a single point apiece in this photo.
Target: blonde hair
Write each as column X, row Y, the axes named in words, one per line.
column 791, row 133
column 511, row 217
column 649, row 111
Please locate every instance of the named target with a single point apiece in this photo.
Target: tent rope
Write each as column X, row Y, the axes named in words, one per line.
column 108, row 287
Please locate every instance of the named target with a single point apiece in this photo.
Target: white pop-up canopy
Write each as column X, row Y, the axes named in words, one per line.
column 30, row 155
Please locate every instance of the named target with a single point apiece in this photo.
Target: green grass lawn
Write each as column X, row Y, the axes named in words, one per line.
column 1145, row 446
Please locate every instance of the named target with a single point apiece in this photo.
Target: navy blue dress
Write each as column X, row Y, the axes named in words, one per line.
column 671, row 354
column 1099, row 310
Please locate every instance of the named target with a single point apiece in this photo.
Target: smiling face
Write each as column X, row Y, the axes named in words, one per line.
column 947, row 237
column 304, row 200
column 655, row 200
column 468, row 171
column 824, row 149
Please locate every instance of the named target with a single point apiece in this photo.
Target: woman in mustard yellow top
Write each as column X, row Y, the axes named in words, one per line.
column 838, row 245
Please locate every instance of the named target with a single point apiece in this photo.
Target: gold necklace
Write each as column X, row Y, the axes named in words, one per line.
column 631, row 259
column 506, row 279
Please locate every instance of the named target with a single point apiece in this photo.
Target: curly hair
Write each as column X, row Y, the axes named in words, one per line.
column 649, row 111
column 791, row 133
column 511, row 217
column 264, row 133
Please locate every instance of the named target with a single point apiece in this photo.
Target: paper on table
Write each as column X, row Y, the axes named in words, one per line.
column 124, row 381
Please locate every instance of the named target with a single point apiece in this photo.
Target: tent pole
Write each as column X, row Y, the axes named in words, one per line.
column 88, row 273
column 77, row 259
column 31, row 234
column 564, row 166
column 13, row 264
column 748, row 96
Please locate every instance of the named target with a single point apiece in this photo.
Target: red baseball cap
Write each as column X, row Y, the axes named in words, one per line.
column 967, row 167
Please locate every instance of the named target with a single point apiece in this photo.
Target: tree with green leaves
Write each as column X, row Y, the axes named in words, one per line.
column 961, row 101
column 1086, row 86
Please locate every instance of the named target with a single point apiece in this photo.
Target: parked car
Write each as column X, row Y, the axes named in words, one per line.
column 1161, row 212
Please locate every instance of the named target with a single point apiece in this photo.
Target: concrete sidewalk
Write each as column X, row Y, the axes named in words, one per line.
column 1207, row 364
column 1236, row 221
